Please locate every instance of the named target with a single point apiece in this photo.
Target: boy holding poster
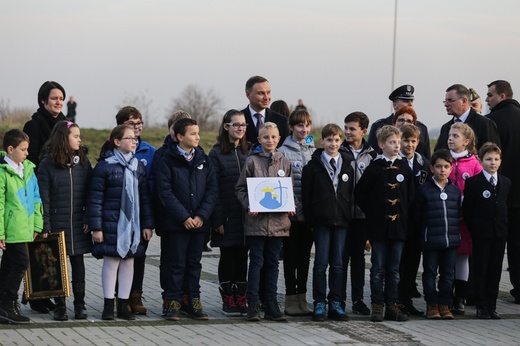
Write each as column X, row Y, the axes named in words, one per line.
column 264, row 231
column 326, row 194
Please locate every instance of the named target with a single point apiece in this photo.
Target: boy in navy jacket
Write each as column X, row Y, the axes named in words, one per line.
column 187, row 187
column 485, row 211
column 384, row 193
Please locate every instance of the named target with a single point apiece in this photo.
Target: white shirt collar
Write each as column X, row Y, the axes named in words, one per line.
column 488, row 176
column 464, row 115
column 18, row 168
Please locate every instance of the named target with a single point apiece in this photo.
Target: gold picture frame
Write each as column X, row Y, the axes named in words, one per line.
column 47, row 275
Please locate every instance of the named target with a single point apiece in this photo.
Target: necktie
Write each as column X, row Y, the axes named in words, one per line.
column 333, row 165
column 492, row 181
column 259, row 122
column 457, row 120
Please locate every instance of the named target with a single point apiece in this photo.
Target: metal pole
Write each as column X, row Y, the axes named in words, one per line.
column 393, row 58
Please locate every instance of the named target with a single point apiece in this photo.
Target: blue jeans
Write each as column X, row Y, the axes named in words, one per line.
column 384, row 275
column 263, row 252
column 329, row 242
column 444, row 260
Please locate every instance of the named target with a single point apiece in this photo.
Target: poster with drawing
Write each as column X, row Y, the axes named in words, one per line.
column 270, row 194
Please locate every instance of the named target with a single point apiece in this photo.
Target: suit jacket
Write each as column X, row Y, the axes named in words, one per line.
column 424, row 139
column 485, row 130
column 280, row 120
column 485, row 209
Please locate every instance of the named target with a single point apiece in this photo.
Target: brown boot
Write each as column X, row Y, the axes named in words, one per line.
column 445, row 312
column 432, row 312
column 136, row 303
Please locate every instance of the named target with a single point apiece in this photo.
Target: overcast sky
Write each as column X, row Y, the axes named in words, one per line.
column 334, row 54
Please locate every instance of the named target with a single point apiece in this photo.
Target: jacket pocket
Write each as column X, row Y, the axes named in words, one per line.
column 9, row 217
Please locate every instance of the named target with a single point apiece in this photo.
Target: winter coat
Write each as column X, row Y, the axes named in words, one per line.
column 384, row 194
column 299, row 154
column 364, row 158
column 261, row 164
column 104, row 204
column 463, row 168
column 158, row 206
column 64, row 196
column 20, row 203
column 186, row 188
column 437, row 213
column 145, row 153
column 322, row 205
column 39, row 130
column 485, row 208
column 228, row 210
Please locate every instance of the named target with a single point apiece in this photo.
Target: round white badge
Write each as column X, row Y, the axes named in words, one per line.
column 199, row 167
column 486, row 194
column 400, row 178
column 465, row 175
column 444, row 196
column 281, row 173
column 361, row 165
column 143, row 160
column 344, row 177
column 75, row 159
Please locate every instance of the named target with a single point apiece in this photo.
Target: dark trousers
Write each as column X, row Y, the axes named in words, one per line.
column 263, row 252
column 355, row 255
column 232, row 265
column 408, row 268
column 184, row 267
column 384, row 274
column 77, row 264
column 163, row 263
column 443, row 261
column 15, row 261
column 139, row 264
column 513, row 250
column 487, row 269
column 296, row 258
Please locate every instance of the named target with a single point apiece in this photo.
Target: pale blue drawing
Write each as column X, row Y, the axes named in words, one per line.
column 270, row 200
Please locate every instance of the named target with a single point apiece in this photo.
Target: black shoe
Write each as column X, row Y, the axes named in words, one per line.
column 494, row 315
column 124, row 311
column 80, row 312
column 336, row 313
column 60, row 312
column 514, row 295
column 393, row 313
column 253, row 311
column 273, row 312
column 360, row 308
column 173, row 313
column 207, row 248
column 483, row 314
column 38, row 306
column 10, row 311
column 108, row 310
column 458, row 306
column 196, row 311
column 412, row 310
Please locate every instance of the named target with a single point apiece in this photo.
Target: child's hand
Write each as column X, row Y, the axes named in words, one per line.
column 189, row 223
column 219, row 229
column 2, row 244
column 44, row 235
column 85, row 229
column 291, row 213
column 253, row 213
column 147, row 233
column 198, row 221
column 97, row 236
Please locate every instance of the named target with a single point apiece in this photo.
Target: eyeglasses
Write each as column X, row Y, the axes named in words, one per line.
column 236, row 126
column 131, row 123
column 402, row 120
column 131, row 139
column 451, row 100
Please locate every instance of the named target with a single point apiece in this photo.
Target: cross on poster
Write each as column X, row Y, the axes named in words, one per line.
column 270, row 194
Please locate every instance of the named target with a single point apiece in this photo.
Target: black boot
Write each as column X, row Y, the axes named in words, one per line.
column 60, row 312
column 461, row 289
column 38, row 306
column 78, row 288
column 229, row 306
column 10, row 310
column 108, row 309
column 239, row 292
column 123, row 310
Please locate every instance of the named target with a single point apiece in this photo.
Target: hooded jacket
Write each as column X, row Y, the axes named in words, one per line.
column 20, row 203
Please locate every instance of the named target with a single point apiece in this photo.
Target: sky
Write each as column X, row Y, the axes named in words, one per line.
column 336, row 55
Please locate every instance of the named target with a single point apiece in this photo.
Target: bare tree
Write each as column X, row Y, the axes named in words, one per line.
column 203, row 105
column 141, row 102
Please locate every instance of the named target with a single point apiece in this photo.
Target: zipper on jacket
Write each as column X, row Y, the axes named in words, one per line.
column 235, row 151
column 8, row 222
column 446, row 222
column 71, row 212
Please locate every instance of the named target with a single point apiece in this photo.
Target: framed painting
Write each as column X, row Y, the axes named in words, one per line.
column 47, row 275
column 267, row 195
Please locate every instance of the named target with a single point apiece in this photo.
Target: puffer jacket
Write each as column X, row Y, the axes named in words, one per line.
column 463, row 168
column 228, row 210
column 186, row 188
column 145, row 153
column 20, row 203
column 104, row 204
column 438, row 218
column 261, row 164
column 299, row 154
column 364, row 158
column 64, row 196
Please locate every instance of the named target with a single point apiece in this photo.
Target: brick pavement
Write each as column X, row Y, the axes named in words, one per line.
column 152, row 329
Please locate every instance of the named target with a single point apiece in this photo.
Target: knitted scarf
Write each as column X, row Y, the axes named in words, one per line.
column 128, row 227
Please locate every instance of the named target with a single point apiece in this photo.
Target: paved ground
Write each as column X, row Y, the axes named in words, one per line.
column 152, row 329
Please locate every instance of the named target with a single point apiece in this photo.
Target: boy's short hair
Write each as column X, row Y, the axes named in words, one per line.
column 126, row 113
column 331, row 130
column 441, row 154
column 268, row 126
column 14, row 137
column 410, row 131
column 300, row 116
column 386, row 131
column 489, row 147
column 359, row 117
column 182, row 124
column 176, row 116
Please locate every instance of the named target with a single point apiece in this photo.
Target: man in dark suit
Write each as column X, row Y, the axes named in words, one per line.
column 258, row 92
column 400, row 97
column 505, row 112
column 457, row 103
